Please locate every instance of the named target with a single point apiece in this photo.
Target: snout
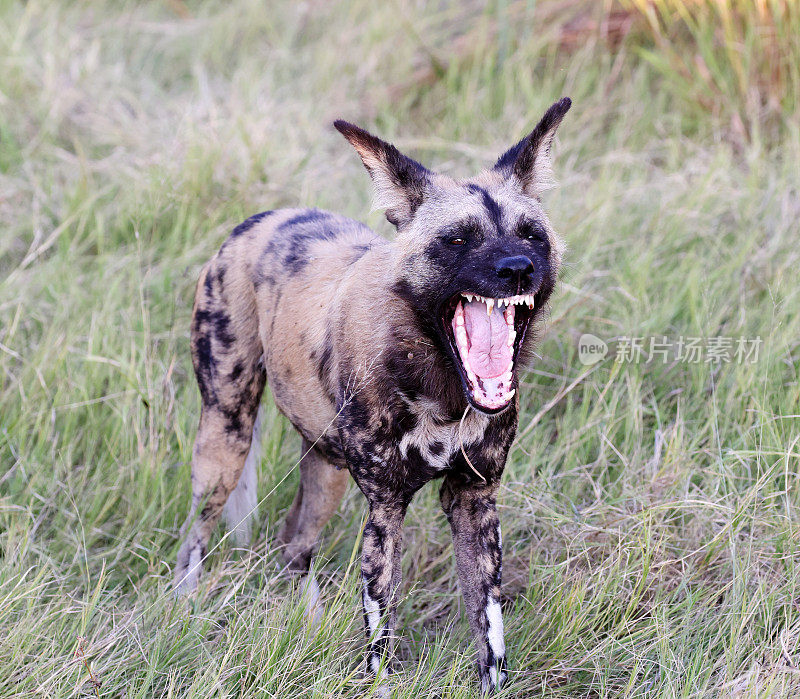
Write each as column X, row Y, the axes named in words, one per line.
column 515, row 267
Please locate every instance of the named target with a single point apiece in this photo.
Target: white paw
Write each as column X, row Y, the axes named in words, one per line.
column 186, row 582
column 311, row 598
column 492, row 681
column 383, row 691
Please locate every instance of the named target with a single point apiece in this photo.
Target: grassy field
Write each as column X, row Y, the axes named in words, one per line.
column 650, row 509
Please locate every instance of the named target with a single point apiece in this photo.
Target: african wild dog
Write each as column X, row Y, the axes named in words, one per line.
column 395, row 361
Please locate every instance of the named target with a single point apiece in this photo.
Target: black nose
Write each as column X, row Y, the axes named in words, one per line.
column 518, row 265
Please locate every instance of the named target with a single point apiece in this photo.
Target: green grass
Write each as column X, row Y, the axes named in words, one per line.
column 650, row 514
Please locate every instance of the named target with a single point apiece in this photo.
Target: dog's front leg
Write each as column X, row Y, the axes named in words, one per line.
column 381, row 572
column 477, row 544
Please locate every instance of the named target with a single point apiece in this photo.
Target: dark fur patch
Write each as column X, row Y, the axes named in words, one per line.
column 205, row 364
column 505, row 163
column 495, row 213
column 521, row 158
column 311, row 226
column 236, row 372
column 358, row 252
column 323, row 366
column 331, row 448
column 310, row 216
column 247, row 224
column 208, row 285
column 219, row 323
column 207, row 511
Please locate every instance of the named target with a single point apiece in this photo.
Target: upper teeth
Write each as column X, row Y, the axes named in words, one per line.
column 520, row 300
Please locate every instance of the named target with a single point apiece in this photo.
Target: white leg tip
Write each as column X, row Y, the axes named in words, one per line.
column 186, row 583
column 311, row 597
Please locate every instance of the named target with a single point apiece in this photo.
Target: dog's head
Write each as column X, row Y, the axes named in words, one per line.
column 478, row 257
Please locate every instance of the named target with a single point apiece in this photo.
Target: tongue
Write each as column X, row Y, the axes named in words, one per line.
column 487, row 335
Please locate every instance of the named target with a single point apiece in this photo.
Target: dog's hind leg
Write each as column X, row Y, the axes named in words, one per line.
column 216, row 465
column 227, row 358
column 322, row 487
column 289, row 528
column 242, row 504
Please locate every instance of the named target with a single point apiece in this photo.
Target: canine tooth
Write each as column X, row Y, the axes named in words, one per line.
column 512, row 335
column 489, row 306
column 469, row 297
column 508, row 396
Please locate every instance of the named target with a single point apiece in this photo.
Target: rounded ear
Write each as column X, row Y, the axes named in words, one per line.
column 529, row 161
column 400, row 182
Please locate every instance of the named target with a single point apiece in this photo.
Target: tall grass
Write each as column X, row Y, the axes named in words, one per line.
column 650, row 511
column 736, row 62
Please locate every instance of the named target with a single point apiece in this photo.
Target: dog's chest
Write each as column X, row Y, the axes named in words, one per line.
column 435, row 439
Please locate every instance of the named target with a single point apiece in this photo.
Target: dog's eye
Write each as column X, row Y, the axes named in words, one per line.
column 533, row 233
column 462, row 233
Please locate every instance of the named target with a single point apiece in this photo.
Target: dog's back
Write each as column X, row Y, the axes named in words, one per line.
column 262, row 308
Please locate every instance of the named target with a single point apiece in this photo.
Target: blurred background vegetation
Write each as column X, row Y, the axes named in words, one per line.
column 649, row 510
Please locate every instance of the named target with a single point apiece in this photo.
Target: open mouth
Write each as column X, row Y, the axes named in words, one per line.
column 485, row 334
